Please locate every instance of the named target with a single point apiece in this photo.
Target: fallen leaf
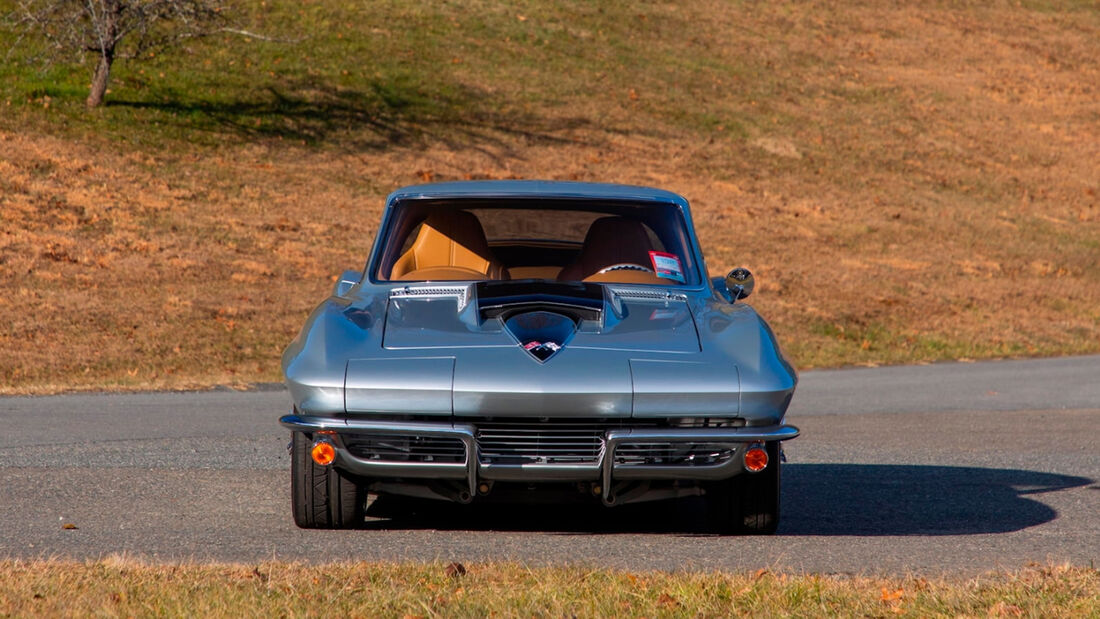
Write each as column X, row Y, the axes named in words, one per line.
column 455, row 570
column 1000, row 609
column 68, row 526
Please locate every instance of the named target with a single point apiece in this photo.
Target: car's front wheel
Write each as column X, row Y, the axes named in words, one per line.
column 749, row 502
column 322, row 496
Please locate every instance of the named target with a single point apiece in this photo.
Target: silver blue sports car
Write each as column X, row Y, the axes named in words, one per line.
column 548, row 336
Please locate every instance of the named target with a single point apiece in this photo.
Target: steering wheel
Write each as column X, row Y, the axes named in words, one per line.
column 625, row 266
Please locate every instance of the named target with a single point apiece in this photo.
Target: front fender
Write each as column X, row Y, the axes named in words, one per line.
column 739, row 334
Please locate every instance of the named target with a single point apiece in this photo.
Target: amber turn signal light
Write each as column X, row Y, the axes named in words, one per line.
column 756, row 459
column 323, row 453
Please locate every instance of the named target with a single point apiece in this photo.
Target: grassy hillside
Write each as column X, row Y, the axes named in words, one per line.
column 909, row 183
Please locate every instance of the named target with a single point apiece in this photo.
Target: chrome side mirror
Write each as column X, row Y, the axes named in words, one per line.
column 740, row 283
column 344, row 283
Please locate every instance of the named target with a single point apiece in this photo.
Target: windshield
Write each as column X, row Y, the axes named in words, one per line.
column 559, row 240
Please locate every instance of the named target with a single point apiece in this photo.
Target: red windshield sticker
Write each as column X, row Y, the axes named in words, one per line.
column 667, row 265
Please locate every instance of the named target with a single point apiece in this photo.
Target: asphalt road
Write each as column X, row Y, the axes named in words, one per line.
column 943, row 468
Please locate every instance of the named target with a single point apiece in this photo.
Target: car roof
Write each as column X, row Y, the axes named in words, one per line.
column 535, row 189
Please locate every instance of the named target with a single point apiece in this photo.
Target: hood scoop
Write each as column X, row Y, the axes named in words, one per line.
column 576, row 300
column 540, row 333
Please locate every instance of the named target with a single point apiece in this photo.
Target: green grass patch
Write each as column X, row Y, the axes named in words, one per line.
column 397, row 72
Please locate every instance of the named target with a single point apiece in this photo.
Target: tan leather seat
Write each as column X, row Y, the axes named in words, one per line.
column 450, row 246
column 611, row 241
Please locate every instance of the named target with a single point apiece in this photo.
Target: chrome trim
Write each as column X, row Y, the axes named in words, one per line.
column 641, row 293
column 560, row 442
column 540, row 472
column 459, row 292
column 723, row 470
column 604, row 470
column 371, row 468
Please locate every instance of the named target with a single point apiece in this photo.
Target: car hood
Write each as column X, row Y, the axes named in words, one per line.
column 622, row 353
column 657, row 324
column 450, row 351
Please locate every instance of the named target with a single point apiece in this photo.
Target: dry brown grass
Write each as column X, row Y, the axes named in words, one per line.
column 920, row 183
column 124, row 587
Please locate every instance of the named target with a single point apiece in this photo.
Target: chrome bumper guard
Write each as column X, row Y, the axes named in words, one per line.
column 605, row 470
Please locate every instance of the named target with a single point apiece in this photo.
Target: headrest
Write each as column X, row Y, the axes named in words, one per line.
column 449, row 239
column 610, row 240
column 460, row 227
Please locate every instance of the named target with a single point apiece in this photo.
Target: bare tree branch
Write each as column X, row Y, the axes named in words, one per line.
column 113, row 29
column 253, row 35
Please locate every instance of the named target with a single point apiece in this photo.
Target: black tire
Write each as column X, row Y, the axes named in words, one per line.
column 322, row 497
column 747, row 504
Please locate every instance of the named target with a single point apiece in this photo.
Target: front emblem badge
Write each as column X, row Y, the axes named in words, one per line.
column 541, row 334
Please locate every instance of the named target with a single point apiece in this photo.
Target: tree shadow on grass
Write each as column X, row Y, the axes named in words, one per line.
column 379, row 115
column 818, row 499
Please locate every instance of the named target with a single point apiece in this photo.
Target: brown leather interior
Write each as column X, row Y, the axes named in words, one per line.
column 534, row 272
column 625, row 276
column 450, row 246
column 444, row 274
column 611, row 241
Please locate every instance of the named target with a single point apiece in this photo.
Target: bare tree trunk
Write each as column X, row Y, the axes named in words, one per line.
column 108, row 37
column 99, row 80
column 103, row 31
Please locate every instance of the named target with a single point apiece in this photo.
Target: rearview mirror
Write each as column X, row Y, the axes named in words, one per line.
column 740, row 283
column 344, row 283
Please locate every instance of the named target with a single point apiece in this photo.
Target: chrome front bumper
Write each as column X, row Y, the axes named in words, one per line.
column 605, row 470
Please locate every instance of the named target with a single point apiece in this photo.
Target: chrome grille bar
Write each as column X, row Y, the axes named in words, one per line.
column 544, row 442
column 405, row 448
column 551, row 442
column 672, row 454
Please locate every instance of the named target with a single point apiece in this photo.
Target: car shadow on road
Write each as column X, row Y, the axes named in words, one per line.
column 892, row 499
column 818, row 499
